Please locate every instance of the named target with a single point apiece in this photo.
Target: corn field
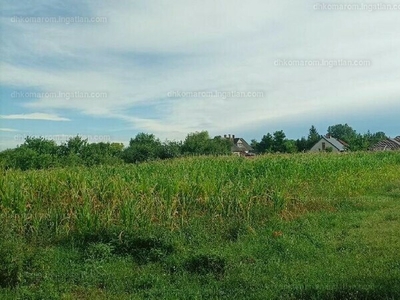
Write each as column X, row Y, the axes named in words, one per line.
column 304, row 226
column 173, row 194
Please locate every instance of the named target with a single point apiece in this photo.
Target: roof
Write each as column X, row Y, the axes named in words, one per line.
column 387, row 144
column 240, row 145
column 338, row 144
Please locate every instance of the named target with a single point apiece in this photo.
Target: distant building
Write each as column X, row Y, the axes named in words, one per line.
column 329, row 144
column 387, row 145
column 239, row 146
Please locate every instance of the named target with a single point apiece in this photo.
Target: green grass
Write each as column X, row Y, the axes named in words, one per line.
column 275, row 227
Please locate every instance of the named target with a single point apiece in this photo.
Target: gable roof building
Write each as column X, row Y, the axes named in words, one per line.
column 387, row 145
column 239, row 145
column 326, row 143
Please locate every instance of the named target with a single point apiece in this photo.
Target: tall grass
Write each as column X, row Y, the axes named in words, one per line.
column 304, row 226
column 172, row 194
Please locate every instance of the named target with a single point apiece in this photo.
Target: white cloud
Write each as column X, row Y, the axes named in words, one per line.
column 148, row 49
column 8, row 130
column 34, row 116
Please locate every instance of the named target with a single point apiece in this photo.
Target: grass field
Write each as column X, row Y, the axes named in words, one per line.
column 299, row 226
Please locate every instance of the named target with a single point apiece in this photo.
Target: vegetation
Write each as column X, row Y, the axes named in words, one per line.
column 306, row 226
column 39, row 153
column 277, row 142
column 355, row 140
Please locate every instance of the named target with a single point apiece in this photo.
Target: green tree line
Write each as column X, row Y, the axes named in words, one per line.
column 277, row 141
column 40, row 153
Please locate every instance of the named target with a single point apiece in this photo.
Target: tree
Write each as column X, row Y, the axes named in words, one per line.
column 254, row 145
column 102, row 153
column 6, row 158
column 142, row 148
column 360, row 142
column 171, row 149
column 290, row 146
column 313, row 137
column 196, row 143
column 363, row 142
column 76, row 145
column 200, row 143
column 40, row 145
column 266, row 144
column 276, row 142
column 116, row 149
column 220, row 146
column 71, row 152
column 302, row 144
column 377, row 136
column 343, row 132
column 41, row 152
column 25, row 158
column 279, row 141
column 374, row 138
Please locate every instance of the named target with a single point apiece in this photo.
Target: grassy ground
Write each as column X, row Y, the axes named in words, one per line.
column 275, row 227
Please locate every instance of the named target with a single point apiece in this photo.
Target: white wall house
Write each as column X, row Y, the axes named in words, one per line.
column 328, row 143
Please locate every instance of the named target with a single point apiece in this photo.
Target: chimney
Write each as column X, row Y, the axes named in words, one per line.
column 233, row 136
column 229, row 136
column 224, row 136
column 328, row 135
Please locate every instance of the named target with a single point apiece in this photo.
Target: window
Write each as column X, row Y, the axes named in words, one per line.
column 323, row 146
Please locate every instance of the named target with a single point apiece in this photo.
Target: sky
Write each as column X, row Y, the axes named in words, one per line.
column 107, row 70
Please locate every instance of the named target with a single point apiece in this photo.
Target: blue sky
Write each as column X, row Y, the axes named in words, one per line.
column 111, row 78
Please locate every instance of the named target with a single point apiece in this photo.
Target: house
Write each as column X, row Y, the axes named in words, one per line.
column 387, row 145
column 329, row 144
column 239, row 146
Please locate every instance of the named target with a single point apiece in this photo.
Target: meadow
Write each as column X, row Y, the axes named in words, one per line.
column 302, row 226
